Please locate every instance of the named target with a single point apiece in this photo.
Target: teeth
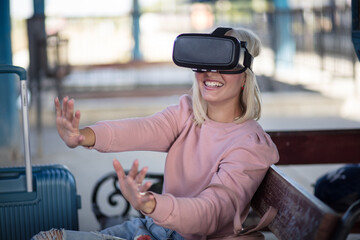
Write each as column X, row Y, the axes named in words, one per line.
column 213, row 84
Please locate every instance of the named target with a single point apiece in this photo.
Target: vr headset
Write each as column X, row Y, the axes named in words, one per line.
column 212, row 52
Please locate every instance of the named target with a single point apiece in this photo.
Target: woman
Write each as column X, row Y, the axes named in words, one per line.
column 212, row 139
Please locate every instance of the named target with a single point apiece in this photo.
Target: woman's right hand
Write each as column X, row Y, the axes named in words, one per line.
column 67, row 123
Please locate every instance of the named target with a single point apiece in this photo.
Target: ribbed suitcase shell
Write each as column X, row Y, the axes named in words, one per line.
column 53, row 204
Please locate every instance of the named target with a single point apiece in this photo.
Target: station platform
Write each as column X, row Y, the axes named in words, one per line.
column 285, row 107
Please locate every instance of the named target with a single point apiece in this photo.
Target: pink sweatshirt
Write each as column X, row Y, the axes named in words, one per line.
column 235, row 155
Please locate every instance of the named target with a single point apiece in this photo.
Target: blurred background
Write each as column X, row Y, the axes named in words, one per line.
column 115, row 59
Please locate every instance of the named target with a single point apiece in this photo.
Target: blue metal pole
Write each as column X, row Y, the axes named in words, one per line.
column 9, row 122
column 39, row 7
column 285, row 45
column 136, row 30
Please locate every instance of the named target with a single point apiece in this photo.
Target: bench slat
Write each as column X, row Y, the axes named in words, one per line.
column 300, row 214
column 318, row 147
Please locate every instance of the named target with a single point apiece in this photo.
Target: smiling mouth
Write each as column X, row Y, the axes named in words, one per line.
column 213, row 84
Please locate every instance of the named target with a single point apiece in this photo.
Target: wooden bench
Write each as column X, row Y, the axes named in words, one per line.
column 300, row 214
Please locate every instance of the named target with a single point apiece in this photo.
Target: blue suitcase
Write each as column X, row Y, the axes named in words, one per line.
column 35, row 198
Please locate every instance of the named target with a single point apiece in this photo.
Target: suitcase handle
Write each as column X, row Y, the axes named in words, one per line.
column 21, row 72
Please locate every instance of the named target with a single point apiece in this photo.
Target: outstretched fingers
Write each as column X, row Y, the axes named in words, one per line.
column 133, row 176
column 58, row 107
column 134, row 170
column 141, row 175
column 67, row 123
column 66, row 110
column 64, row 105
column 76, row 120
column 119, row 169
column 145, row 187
column 69, row 114
column 132, row 188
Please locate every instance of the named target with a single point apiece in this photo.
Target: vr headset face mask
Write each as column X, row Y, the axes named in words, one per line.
column 212, row 52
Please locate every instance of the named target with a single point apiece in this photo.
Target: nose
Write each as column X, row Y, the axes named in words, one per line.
column 211, row 73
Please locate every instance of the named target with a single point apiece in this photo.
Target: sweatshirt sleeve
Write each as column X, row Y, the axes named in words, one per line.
column 153, row 133
column 241, row 170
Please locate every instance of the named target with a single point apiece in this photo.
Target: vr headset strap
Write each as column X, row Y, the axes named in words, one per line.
column 220, row 31
column 248, row 59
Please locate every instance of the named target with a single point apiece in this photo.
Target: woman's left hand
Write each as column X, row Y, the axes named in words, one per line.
column 133, row 189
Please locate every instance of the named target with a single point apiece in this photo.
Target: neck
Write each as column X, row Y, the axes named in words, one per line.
column 224, row 114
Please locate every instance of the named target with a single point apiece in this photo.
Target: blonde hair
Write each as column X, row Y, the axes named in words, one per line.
column 250, row 101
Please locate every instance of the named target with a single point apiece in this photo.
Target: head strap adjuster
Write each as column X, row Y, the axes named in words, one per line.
column 220, row 31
